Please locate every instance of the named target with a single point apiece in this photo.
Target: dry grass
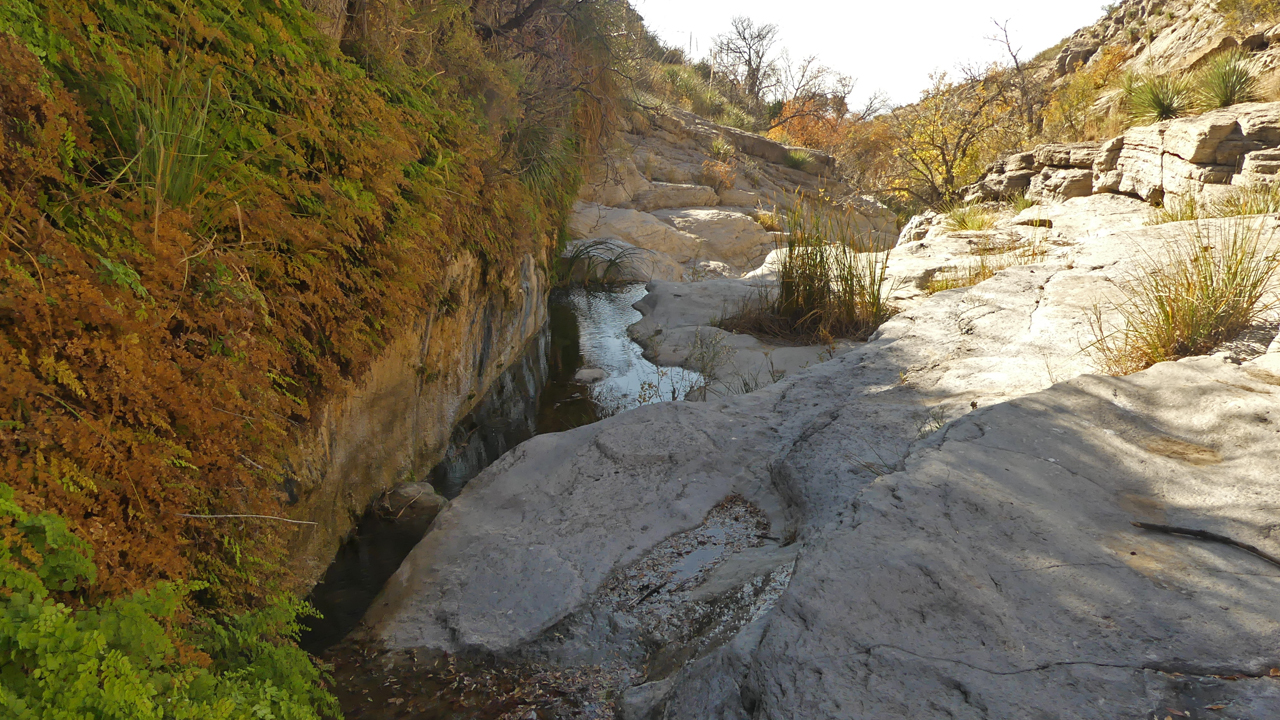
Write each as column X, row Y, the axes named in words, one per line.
column 1204, row 290
column 968, row 217
column 831, row 282
column 1257, row 199
column 993, row 256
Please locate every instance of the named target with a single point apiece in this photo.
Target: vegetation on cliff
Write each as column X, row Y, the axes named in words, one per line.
column 212, row 216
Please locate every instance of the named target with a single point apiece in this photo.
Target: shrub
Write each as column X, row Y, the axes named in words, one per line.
column 722, row 150
column 1207, row 289
column 831, row 281
column 968, row 217
column 718, row 175
column 598, row 262
column 1227, row 79
column 1152, row 99
column 122, row 658
column 1247, row 13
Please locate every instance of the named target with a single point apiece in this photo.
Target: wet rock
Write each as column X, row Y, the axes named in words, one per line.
column 413, row 506
column 589, row 376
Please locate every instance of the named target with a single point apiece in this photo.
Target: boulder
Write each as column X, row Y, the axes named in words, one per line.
column 729, row 235
column 661, row 196
column 591, row 220
column 413, row 506
column 614, row 181
column 1061, row 183
column 589, row 376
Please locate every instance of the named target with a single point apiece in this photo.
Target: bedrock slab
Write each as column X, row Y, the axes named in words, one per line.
column 959, row 510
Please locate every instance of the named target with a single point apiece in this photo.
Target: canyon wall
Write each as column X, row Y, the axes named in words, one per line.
column 395, row 424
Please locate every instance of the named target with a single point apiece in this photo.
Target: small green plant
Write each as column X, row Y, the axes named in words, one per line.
column 799, row 160
column 1152, row 99
column 1021, row 202
column 1178, row 208
column 1205, row 290
column 968, row 217
column 123, row 658
column 1228, row 79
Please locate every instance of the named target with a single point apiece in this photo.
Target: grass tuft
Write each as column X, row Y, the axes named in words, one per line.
column 992, row 258
column 1205, row 290
column 968, row 217
column 799, row 160
column 1021, row 202
column 831, row 281
column 1256, row 199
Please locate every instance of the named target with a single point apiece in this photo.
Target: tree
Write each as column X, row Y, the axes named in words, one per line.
column 743, row 53
column 942, row 142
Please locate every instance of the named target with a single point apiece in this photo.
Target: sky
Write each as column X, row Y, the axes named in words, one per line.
column 887, row 45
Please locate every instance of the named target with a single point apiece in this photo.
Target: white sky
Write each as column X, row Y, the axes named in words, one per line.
column 889, row 45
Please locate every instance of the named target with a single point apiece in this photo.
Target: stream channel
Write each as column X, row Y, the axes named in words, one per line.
column 537, row 395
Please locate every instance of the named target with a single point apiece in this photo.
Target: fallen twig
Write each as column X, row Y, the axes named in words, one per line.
column 258, row 517
column 1211, row 537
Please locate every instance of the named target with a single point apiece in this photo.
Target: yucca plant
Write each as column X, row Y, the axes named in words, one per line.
column 1152, row 99
column 1205, row 290
column 1228, row 79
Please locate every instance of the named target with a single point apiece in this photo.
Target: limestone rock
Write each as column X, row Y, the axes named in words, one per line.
column 590, row 220
column 660, row 196
column 727, row 234
column 1061, row 184
column 615, row 181
column 947, row 562
column 1076, row 155
column 414, row 506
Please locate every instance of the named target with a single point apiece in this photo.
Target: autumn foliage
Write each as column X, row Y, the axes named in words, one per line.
column 210, row 218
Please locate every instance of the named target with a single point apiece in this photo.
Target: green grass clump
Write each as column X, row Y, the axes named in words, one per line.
column 832, row 282
column 1205, row 290
column 968, row 217
column 598, row 262
column 799, row 160
column 1152, row 99
column 1021, row 202
column 1228, row 79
